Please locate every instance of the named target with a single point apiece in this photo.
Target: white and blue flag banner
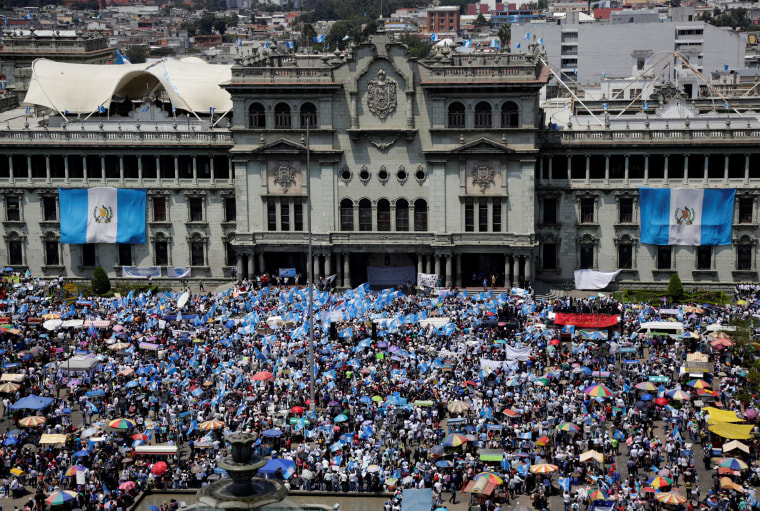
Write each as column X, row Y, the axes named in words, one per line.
column 102, row 215
column 686, row 216
column 178, row 273
column 141, row 273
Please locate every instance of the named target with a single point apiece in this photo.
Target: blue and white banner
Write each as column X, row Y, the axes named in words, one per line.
column 686, row 216
column 102, row 215
column 287, row 272
column 178, row 273
column 141, row 273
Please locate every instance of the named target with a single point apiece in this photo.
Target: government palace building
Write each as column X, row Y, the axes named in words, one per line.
column 446, row 164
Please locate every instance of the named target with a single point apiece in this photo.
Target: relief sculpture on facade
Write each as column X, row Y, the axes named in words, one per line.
column 381, row 95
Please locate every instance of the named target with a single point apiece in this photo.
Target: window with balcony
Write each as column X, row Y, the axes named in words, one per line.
column 383, row 215
column 52, row 253
column 88, row 255
column 49, row 209
column 456, row 115
column 625, row 211
column 196, row 209
column 12, row 208
column 744, row 256
column 230, row 209
column 15, row 252
column 587, row 256
column 483, row 115
column 588, row 207
column 625, row 256
column 282, row 119
column 402, row 215
column 420, row 215
column 161, row 252
column 125, row 255
column 346, row 215
column 704, row 257
column 549, row 256
column 745, row 210
column 664, row 257
column 197, row 253
column 159, row 209
column 308, row 116
column 550, row 211
column 365, row 215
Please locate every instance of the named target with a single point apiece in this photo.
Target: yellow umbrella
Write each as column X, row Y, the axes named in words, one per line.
column 543, row 468
column 17, row 472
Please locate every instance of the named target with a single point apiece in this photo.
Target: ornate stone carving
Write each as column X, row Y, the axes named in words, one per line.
column 284, row 175
column 381, row 95
column 483, row 176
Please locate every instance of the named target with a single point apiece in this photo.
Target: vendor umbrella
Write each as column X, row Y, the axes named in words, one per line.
column 9, row 387
column 458, row 406
column 661, row 401
column 659, row 482
column 646, row 385
column 678, row 395
column 263, row 376
column 598, row 495
column 543, row 468
column 492, row 478
column 569, row 427
column 140, row 436
column 670, row 498
column 453, row 440
column 61, row 497
column 32, row 421
column 733, row 464
column 122, row 424
column 598, row 390
column 698, row 384
column 17, row 472
column 128, row 485
column 209, row 425
column 73, row 469
column 160, row 468
column 296, row 409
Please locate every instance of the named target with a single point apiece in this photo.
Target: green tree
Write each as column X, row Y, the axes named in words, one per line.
column 481, row 20
column 675, row 288
column 505, row 35
column 307, row 33
column 136, row 54
column 101, row 284
column 369, row 29
column 189, row 27
column 205, row 25
column 417, row 49
column 744, row 348
column 220, row 26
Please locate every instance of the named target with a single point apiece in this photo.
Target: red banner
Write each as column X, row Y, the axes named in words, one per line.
column 586, row 320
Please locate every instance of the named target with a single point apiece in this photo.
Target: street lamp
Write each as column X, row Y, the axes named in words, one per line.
column 310, row 274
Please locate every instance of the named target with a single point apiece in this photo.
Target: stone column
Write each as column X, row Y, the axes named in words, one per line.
column 29, row 167
column 230, row 172
column 176, row 170
column 251, row 265
column 12, row 176
column 646, row 168
column 625, row 178
column 239, row 265
column 158, row 170
column 666, row 174
column 262, row 266
column 507, row 265
column 550, row 170
column 429, row 265
column 211, row 169
column 438, row 265
column 706, row 169
column 195, row 170
column 346, row 270
column 66, row 175
column 448, row 271
column 458, row 259
column 685, row 169
column 84, row 169
column 140, row 173
column 47, row 169
column 606, row 169
column 328, row 264
column 419, row 263
column 529, row 268
column 121, row 169
column 103, row 169
column 588, row 169
column 746, row 169
column 725, row 170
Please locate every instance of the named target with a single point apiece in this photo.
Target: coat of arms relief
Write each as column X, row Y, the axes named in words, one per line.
column 381, row 95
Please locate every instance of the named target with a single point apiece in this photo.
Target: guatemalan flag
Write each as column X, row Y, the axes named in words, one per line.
column 102, row 215
column 686, row 216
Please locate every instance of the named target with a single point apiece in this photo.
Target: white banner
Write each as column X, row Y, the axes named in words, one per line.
column 178, row 273
column 521, row 354
column 590, row 279
column 135, row 272
column 427, row 279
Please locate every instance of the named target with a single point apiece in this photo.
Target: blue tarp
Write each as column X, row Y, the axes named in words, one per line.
column 417, row 500
column 288, row 468
column 32, row 402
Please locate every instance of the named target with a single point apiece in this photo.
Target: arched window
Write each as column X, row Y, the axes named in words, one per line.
column 346, row 215
column 456, row 115
column 402, row 215
column 308, row 113
column 282, row 117
column 365, row 215
column 509, row 115
column 256, row 118
column 383, row 215
column 482, row 115
column 420, row 215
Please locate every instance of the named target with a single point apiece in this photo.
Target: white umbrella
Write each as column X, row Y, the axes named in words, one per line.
column 52, row 324
column 307, row 474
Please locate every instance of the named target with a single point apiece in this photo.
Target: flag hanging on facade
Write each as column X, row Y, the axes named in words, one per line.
column 102, row 215
column 686, row 216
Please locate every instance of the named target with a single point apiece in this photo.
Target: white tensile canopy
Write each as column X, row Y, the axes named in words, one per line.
column 82, row 88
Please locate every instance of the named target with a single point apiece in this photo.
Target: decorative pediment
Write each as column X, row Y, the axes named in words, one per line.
column 483, row 146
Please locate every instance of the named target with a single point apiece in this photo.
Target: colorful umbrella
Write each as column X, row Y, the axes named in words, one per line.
column 733, row 464
column 61, row 497
column 543, row 468
column 140, row 436
column 73, row 469
column 670, row 498
column 568, row 426
column 128, row 485
column 208, row 425
column 51, row 315
column 9, row 387
column 543, row 441
column 32, row 421
column 679, row 395
column 453, row 440
column 377, row 399
column 122, row 424
column 263, row 376
column 458, row 406
column 598, row 495
column 661, row 401
column 119, row 346
column 598, row 390
column 646, row 385
column 659, row 482
column 698, row 384
column 492, row 478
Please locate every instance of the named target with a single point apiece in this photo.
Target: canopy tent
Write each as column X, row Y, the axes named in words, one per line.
column 417, row 500
column 79, row 363
column 731, row 431
column 735, row 444
column 719, row 415
column 287, row 467
column 32, row 402
column 49, row 438
column 83, row 88
column 156, row 449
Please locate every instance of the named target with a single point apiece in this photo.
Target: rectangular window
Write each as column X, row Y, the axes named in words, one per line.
column 625, row 257
column 744, row 257
column 51, row 253
column 469, row 215
column 587, row 256
column 626, row 211
column 125, row 255
column 496, row 214
column 745, row 211
column 483, row 216
column 402, row 216
column 549, row 253
column 384, row 218
column 664, row 258
column 196, row 209
column 161, row 250
column 230, row 256
column 587, row 211
column 159, row 209
column 13, row 209
column 271, row 215
column 88, row 255
column 298, row 215
column 550, row 211
column 346, row 217
column 49, row 209
column 15, row 252
column 704, row 258
column 197, row 254
column 230, row 210
column 365, row 218
column 285, row 215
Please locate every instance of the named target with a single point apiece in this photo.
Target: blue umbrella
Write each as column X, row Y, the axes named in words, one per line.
column 444, row 464
column 272, row 433
column 230, row 323
column 647, row 397
column 365, row 399
column 340, row 418
column 83, row 452
column 11, row 441
column 153, row 508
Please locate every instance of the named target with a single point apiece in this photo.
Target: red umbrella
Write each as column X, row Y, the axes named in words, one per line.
column 661, row 401
column 296, row 409
column 554, row 342
column 263, row 376
column 159, row 468
column 140, row 436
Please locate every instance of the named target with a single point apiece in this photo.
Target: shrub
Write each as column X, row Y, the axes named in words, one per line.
column 675, row 288
column 101, row 284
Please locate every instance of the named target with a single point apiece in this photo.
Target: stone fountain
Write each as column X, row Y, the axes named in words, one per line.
column 241, row 490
